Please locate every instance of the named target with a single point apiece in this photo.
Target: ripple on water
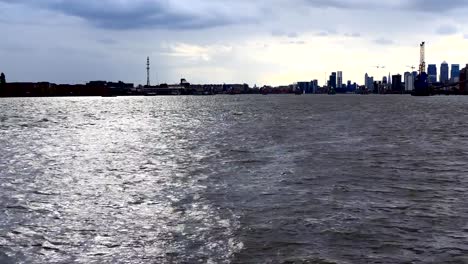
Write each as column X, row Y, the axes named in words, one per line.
column 233, row 179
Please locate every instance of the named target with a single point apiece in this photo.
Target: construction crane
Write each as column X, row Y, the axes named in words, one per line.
column 421, row 86
column 412, row 67
column 422, row 64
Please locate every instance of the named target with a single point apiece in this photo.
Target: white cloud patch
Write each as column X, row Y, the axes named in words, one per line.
column 447, row 29
column 197, row 52
column 384, row 41
column 279, row 33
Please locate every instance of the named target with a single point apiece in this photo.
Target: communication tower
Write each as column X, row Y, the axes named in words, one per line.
column 148, row 83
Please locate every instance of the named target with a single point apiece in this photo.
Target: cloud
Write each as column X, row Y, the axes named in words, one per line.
column 384, row 41
column 250, row 38
column 344, row 4
column 353, row 35
column 298, row 42
column 436, row 6
column 432, row 6
column 134, row 14
column 326, row 33
column 322, row 34
column 447, row 30
column 107, row 41
column 279, row 33
column 197, row 52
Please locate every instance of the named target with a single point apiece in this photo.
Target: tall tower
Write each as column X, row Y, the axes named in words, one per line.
column 366, row 80
column 148, row 83
column 339, row 79
column 422, row 59
column 444, row 72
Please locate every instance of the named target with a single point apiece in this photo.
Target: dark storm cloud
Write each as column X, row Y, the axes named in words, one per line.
column 196, row 14
column 436, row 6
column 134, row 14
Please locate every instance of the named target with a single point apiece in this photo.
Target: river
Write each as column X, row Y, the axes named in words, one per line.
column 234, row 179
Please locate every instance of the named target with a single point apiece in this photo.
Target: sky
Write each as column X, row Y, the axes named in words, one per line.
column 259, row 42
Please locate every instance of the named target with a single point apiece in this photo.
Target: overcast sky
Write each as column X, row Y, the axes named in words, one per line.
column 224, row 41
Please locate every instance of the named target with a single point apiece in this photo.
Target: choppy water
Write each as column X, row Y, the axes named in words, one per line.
column 234, row 179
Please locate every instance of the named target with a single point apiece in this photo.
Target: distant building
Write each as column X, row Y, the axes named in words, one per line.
column 332, row 81
column 463, row 86
column 455, row 73
column 120, row 88
column 315, row 86
column 444, row 72
column 369, row 82
column 308, row 87
column 415, row 74
column 409, row 81
column 432, row 73
column 340, row 79
column 304, row 87
column 384, row 80
column 396, row 83
column 352, row 87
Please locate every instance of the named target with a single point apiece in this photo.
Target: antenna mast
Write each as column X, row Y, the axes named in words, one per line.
column 148, row 72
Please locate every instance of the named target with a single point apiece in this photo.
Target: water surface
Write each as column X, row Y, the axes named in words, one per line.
column 234, row 179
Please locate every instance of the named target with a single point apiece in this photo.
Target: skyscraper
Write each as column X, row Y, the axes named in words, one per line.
column 314, row 84
column 444, row 72
column 333, row 80
column 463, row 86
column 366, row 80
column 455, row 73
column 340, row 79
column 369, row 82
column 396, row 83
column 432, row 72
column 409, row 81
column 385, row 80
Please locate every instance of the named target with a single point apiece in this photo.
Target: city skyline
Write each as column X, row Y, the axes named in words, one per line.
column 264, row 43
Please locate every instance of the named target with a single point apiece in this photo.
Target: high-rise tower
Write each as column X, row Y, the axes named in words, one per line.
column 148, row 83
column 340, row 79
column 432, row 73
column 455, row 73
column 444, row 72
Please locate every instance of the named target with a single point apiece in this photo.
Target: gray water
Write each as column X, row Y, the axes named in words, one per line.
column 234, row 179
